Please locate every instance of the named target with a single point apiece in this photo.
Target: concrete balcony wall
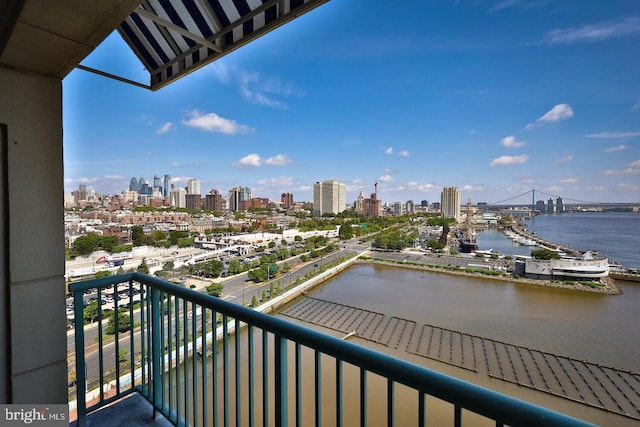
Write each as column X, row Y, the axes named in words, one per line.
column 32, row 324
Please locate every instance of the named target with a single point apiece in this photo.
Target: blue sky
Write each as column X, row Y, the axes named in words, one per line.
column 496, row 97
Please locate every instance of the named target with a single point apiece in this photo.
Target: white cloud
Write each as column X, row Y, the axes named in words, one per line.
column 635, row 164
column 404, row 153
column 595, row 32
column 250, row 160
column 509, row 160
column 386, row 178
column 620, row 147
column 472, row 188
column 258, row 90
column 636, row 106
column 569, row 180
column 632, row 168
column 555, row 189
column 280, row 181
column 426, row 187
column 278, row 160
column 564, row 159
column 557, row 113
column 212, row 122
column 221, row 71
column 165, row 128
column 389, row 150
column 613, row 135
column 511, row 142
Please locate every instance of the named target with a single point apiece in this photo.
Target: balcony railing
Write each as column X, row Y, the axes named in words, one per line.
column 202, row 361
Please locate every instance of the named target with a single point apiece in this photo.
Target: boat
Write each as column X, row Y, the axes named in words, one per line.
column 468, row 243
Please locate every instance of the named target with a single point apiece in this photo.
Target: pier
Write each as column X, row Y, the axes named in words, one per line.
column 546, row 244
column 607, row 388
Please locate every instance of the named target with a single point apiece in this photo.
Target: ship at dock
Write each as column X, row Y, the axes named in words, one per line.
column 467, row 239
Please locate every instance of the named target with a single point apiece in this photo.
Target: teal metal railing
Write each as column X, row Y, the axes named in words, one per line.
column 203, row 361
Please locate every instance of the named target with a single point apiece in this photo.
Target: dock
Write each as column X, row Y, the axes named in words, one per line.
column 607, row 388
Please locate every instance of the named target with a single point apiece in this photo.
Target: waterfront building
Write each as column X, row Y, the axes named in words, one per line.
column 540, row 206
column 329, row 196
column 450, row 202
column 178, row 198
column 550, row 207
column 586, row 267
column 193, row 186
column 237, row 195
column 559, row 204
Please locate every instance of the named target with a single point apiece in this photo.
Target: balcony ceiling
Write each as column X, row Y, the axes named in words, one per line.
column 170, row 37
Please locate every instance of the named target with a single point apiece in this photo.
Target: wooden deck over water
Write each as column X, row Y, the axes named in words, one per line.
column 607, row 388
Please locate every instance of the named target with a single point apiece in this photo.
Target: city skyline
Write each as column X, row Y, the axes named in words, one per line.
column 494, row 97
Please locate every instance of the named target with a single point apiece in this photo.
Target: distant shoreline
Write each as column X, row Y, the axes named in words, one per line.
column 608, row 287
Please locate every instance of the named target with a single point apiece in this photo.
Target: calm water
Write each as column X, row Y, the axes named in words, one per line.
column 597, row 328
column 615, row 235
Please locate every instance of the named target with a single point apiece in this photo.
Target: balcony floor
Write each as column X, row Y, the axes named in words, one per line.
column 132, row 411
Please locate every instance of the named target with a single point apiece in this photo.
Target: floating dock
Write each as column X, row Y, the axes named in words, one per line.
column 613, row 390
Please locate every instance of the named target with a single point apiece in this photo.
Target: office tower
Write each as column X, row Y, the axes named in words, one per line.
column 329, row 196
column 141, row 182
column 397, row 208
column 133, row 185
column 237, row 195
column 156, row 181
column 450, row 202
column 559, row 204
column 193, row 186
column 167, row 186
column 178, row 198
column 424, row 203
column 550, row 207
column 540, row 206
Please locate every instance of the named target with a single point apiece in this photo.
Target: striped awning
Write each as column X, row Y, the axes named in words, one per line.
column 175, row 37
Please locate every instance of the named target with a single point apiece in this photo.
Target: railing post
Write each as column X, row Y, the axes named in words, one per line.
column 281, row 382
column 156, row 351
column 81, row 377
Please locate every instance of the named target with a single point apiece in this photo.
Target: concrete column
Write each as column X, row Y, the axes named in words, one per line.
column 33, row 365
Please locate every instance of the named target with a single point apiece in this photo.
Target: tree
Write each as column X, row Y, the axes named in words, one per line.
column 235, row 267
column 272, row 245
column 143, row 267
column 544, row 254
column 168, row 266
column 297, row 238
column 104, row 273
column 345, row 232
column 84, row 245
column 91, row 311
column 254, row 301
column 215, row 289
column 137, row 236
column 124, row 322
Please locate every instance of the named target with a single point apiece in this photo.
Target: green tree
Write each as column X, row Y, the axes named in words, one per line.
column 109, row 242
column 544, row 254
column 137, row 236
column 168, row 266
column 124, row 322
column 103, row 273
column 254, row 301
column 84, row 245
column 235, row 267
column 143, row 267
column 91, row 312
column 215, row 289
column 345, row 232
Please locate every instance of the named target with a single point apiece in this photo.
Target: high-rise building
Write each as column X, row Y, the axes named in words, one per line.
column 559, row 204
column 237, row 195
column 193, row 186
column 141, row 182
column 193, row 201
column 156, row 181
column 213, row 201
column 550, row 207
column 540, row 206
column 424, row 203
column 167, row 186
column 450, row 202
column 133, row 185
column 397, row 208
column 178, row 198
column 329, row 196
column 410, row 207
column 286, row 199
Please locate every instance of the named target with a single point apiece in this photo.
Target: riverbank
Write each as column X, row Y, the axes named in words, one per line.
column 607, row 286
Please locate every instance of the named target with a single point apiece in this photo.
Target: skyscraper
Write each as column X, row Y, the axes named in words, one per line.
column 329, row 196
column 133, row 185
column 450, row 202
column 286, row 199
column 156, row 181
column 167, row 186
column 193, row 186
column 178, row 198
column 237, row 195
